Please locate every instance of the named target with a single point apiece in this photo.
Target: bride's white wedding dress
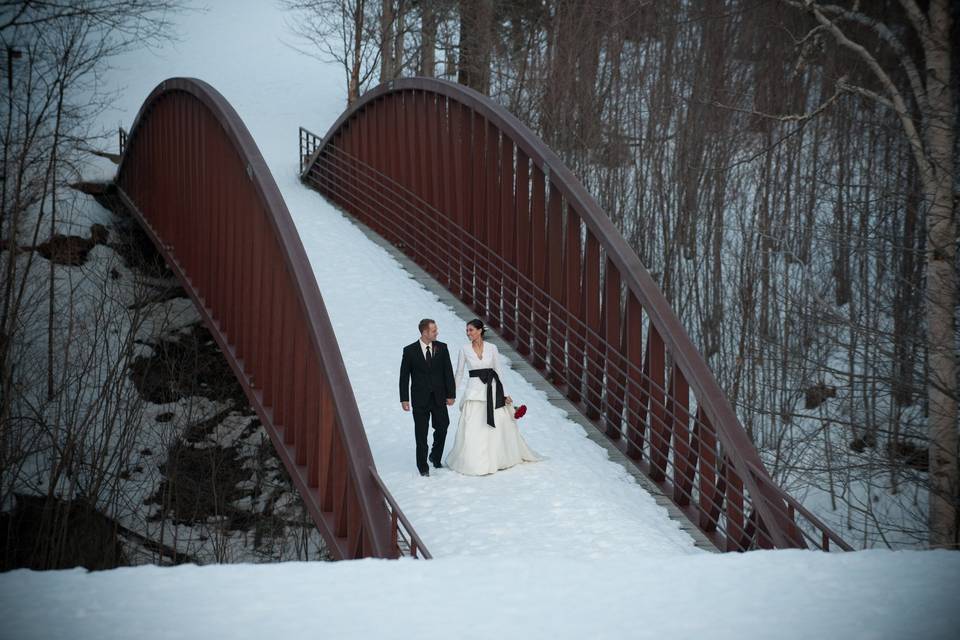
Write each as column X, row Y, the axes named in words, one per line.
column 480, row 449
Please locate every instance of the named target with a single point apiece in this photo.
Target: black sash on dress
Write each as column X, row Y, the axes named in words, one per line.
column 487, row 376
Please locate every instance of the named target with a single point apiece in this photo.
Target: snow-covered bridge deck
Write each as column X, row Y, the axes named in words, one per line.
column 543, row 390
column 577, row 500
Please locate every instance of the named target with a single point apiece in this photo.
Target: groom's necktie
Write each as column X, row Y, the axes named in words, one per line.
column 429, row 357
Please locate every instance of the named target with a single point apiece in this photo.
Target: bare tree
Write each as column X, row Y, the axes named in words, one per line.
column 53, row 49
column 430, row 17
column 476, row 43
column 62, row 408
column 926, row 108
column 338, row 31
column 388, row 21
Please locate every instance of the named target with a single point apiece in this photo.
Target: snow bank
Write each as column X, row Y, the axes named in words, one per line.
column 764, row 594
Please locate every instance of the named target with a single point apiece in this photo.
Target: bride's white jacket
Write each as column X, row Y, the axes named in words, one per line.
column 467, row 361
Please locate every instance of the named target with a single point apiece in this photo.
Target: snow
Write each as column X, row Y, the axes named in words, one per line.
column 575, row 499
column 567, row 547
column 783, row 594
column 103, row 320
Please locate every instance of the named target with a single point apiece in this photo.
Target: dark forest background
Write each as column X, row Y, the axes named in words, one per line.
column 755, row 155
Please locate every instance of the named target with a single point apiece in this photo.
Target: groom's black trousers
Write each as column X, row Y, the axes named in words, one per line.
column 422, row 415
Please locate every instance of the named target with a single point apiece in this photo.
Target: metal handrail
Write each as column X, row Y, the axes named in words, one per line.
column 408, row 543
column 438, row 112
column 711, row 501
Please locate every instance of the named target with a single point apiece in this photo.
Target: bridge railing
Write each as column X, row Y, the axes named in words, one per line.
column 402, row 533
column 470, row 195
column 193, row 176
column 308, row 145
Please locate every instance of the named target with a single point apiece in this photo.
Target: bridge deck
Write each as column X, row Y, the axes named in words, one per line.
column 537, row 381
column 582, row 499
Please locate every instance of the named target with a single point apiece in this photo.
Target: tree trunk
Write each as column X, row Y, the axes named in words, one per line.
column 428, row 38
column 52, row 176
column 399, row 33
column 476, row 18
column 906, row 307
column 387, row 62
column 353, row 86
column 942, row 285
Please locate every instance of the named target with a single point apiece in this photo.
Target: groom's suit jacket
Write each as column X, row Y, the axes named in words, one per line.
column 426, row 384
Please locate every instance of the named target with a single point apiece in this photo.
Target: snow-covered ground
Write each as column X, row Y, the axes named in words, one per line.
column 783, row 594
column 580, row 550
column 576, row 501
column 110, row 313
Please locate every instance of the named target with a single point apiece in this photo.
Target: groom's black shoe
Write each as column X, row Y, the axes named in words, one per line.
column 436, row 462
column 425, row 474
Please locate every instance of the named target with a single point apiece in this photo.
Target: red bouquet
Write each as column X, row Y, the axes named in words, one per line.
column 520, row 412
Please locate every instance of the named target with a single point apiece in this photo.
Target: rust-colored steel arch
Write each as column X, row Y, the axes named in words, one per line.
column 473, row 196
column 192, row 174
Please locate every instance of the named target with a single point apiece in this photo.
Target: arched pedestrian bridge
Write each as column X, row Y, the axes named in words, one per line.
column 472, row 196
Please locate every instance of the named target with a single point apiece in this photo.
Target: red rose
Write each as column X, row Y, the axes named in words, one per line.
column 520, row 412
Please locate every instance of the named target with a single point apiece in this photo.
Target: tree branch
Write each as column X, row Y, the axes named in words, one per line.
column 863, row 91
column 883, row 31
column 918, row 20
column 896, row 98
column 793, row 117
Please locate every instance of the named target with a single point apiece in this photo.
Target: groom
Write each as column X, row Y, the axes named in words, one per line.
column 427, row 362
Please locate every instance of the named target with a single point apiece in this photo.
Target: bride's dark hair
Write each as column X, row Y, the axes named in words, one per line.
column 477, row 324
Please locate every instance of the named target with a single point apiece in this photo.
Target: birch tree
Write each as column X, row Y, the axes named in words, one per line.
column 925, row 106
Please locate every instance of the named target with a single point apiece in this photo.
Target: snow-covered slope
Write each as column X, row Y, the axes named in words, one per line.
column 782, row 595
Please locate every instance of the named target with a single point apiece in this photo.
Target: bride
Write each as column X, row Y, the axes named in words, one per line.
column 487, row 436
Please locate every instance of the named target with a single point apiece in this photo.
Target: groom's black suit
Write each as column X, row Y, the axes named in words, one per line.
column 430, row 386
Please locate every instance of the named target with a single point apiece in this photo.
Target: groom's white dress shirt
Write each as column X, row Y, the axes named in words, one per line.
column 423, row 349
